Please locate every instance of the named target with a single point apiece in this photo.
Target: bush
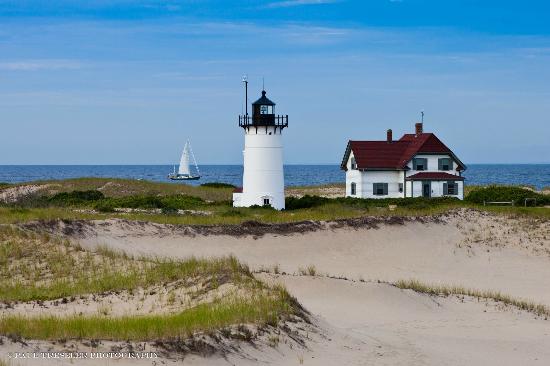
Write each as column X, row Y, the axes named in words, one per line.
column 75, row 198
column 293, row 203
column 264, row 207
column 218, row 185
column 307, row 201
column 33, row 200
column 168, row 204
column 506, row 194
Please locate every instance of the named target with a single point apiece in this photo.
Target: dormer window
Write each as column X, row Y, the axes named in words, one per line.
column 420, row 164
column 445, row 164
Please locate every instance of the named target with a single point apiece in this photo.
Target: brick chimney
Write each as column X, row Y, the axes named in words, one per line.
column 389, row 136
column 418, row 128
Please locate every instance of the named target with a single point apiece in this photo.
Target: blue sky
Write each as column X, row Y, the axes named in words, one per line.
column 127, row 82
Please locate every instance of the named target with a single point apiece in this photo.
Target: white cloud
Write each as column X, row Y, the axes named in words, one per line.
column 289, row 3
column 35, row 65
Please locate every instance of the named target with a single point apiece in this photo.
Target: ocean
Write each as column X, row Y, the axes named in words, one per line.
column 537, row 175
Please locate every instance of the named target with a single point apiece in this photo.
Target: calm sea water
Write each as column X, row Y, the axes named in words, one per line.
column 537, row 175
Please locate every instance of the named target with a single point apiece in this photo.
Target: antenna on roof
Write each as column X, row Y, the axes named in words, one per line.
column 422, row 114
column 245, row 81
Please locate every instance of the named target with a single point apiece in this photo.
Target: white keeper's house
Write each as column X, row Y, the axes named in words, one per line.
column 416, row 165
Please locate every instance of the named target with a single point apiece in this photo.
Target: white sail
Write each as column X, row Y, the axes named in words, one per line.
column 184, row 161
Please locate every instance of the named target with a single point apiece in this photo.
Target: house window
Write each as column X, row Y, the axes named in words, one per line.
column 400, row 187
column 266, row 202
column 445, row 164
column 353, row 189
column 380, row 189
column 353, row 163
column 420, row 164
column 450, row 188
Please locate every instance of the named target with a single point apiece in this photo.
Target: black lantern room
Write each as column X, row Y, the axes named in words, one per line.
column 263, row 114
column 263, row 111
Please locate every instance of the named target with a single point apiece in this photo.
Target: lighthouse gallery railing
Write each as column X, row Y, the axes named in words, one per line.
column 263, row 120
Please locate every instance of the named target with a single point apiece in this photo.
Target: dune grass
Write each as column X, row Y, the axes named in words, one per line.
column 160, row 202
column 259, row 309
column 443, row 290
column 37, row 267
column 117, row 187
column 226, row 215
column 41, row 267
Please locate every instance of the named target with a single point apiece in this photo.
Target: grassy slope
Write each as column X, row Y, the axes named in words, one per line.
column 115, row 187
column 38, row 267
column 442, row 290
column 218, row 207
column 225, row 215
column 260, row 309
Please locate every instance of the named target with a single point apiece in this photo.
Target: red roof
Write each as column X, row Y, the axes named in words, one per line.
column 378, row 154
column 396, row 154
column 238, row 190
column 434, row 176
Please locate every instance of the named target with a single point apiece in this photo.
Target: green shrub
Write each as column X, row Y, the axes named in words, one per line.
column 506, row 194
column 181, row 202
column 218, row 185
column 293, row 203
column 409, row 202
column 75, row 198
column 264, row 207
column 307, row 201
column 33, row 200
column 168, row 204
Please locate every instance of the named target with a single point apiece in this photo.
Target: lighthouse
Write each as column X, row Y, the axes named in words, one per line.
column 263, row 175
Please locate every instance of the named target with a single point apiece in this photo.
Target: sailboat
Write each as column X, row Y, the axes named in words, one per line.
column 184, row 171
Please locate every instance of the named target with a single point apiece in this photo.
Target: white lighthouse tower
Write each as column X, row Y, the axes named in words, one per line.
column 263, row 176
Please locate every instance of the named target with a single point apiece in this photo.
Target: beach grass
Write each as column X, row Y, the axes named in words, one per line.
column 257, row 309
column 165, row 203
column 39, row 267
column 217, row 214
column 118, row 187
column 444, row 290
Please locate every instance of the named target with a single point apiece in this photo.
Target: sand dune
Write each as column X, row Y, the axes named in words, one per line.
column 467, row 248
column 358, row 321
column 384, row 325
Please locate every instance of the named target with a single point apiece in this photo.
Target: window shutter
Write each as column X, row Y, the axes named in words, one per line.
column 425, row 163
column 456, row 188
column 440, row 164
column 374, row 188
column 414, row 164
column 445, row 188
column 386, row 189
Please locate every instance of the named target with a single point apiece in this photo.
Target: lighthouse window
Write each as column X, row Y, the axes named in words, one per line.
column 266, row 109
column 353, row 189
column 266, row 202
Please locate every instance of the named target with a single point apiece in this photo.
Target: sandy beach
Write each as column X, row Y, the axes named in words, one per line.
column 343, row 275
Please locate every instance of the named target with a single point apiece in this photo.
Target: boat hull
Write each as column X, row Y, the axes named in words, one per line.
column 183, row 177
